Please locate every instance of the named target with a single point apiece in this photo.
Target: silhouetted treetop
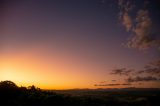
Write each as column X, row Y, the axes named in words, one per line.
column 12, row 95
column 7, row 85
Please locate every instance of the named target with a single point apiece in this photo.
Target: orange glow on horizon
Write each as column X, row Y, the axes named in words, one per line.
column 28, row 70
column 51, row 46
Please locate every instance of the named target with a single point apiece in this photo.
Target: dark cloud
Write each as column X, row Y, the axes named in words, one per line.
column 151, row 72
column 141, row 79
column 153, row 68
column 122, row 71
column 124, row 84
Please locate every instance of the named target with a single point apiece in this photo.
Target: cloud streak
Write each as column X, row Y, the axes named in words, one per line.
column 150, row 72
column 153, row 68
column 141, row 79
column 124, row 84
column 122, row 71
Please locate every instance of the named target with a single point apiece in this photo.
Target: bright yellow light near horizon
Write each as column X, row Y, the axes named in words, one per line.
column 26, row 73
column 29, row 70
column 26, row 79
column 8, row 74
column 13, row 75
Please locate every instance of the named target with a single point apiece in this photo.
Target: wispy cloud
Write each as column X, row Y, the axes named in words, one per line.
column 143, row 37
column 140, row 26
column 141, row 79
column 127, row 21
column 153, row 68
column 124, row 84
column 125, row 7
column 122, row 71
column 150, row 72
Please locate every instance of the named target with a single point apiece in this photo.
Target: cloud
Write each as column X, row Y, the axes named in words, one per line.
column 124, row 84
column 141, row 79
column 140, row 25
column 150, row 72
column 127, row 21
column 153, row 68
column 125, row 7
column 143, row 37
column 122, row 71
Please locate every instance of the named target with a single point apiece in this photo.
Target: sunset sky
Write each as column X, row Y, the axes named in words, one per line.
column 65, row 44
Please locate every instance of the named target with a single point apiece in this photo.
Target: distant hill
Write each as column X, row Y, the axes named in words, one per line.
column 12, row 95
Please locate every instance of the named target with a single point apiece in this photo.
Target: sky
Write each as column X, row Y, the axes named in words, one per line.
column 67, row 44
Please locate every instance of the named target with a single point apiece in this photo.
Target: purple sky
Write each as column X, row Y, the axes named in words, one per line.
column 96, row 36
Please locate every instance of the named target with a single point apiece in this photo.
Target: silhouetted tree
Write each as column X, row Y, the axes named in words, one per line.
column 32, row 88
column 8, row 85
column 12, row 95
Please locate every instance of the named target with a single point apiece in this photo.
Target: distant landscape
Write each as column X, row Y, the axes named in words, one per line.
column 12, row 95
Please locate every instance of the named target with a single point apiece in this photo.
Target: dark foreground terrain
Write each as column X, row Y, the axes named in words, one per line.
column 12, row 95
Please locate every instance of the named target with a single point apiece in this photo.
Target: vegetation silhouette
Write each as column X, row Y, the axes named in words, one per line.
column 12, row 95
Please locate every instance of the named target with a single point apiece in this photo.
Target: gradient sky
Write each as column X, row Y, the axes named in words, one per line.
column 63, row 44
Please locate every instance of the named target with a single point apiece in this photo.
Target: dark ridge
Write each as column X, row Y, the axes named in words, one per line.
column 12, row 95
